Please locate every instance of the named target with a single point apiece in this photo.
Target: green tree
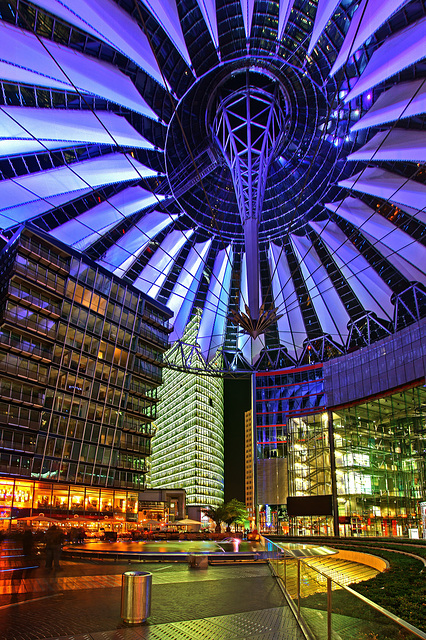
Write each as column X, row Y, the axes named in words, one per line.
column 217, row 514
column 236, row 513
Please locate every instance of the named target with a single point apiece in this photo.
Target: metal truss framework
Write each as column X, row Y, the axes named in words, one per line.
column 219, row 156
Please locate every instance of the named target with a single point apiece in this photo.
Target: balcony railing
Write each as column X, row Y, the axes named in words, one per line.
column 327, row 609
column 28, row 348
column 49, row 280
column 26, row 245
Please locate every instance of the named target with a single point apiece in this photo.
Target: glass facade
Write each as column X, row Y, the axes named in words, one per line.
column 281, row 398
column 373, row 468
column 81, row 360
column 187, row 450
column 380, row 450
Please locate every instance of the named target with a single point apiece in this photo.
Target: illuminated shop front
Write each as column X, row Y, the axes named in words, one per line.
column 107, row 507
column 21, row 498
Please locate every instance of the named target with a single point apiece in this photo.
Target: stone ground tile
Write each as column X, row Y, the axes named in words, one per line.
column 126, row 633
column 219, row 592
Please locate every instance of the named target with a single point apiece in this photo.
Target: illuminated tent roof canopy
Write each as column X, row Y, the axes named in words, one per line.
column 260, row 165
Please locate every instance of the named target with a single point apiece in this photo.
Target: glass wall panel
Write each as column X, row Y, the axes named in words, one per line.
column 23, row 497
column 61, row 498
column 76, row 499
column 107, row 499
column 42, row 496
column 92, row 500
column 380, row 468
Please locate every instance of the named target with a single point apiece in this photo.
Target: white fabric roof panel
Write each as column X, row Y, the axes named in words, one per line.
column 397, row 144
column 9, row 147
column 48, row 64
column 166, row 14
column 208, row 9
column 401, row 101
column 366, row 219
column 243, row 340
column 247, row 9
column 405, row 268
column 389, row 186
column 12, row 73
column 89, row 226
column 183, row 294
column 109, row 23
column 373, row 293
column 324, row 297
column 214, row 317
column 121, row 255
column 61, row 127
column 325, row 10
column 291, row 327
column 398, row 52
column 108, row 169
column 283, row 16
column 28, row 210
column 369, row 16
column 154, row 274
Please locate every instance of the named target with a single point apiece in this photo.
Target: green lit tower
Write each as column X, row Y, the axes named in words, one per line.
column 187, row 449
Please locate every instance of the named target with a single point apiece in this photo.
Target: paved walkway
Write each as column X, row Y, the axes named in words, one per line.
column 82, row 602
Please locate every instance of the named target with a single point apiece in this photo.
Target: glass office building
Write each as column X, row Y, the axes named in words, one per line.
column 187, row 449
column 81, row 360
column 337, row 430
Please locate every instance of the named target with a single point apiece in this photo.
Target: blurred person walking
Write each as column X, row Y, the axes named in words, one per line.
column 53, row 539
column 27, row 543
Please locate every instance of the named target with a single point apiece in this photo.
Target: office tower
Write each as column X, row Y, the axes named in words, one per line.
column 80, row 357
column 249, row 457
column 187, row 450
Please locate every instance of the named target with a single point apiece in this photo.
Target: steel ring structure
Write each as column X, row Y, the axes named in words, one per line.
column 257, row 163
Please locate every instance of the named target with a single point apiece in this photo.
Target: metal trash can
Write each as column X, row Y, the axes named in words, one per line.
column 198, row 561
column 136, row 596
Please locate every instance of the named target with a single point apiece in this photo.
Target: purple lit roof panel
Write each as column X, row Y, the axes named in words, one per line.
column 109, row 23
column 398, row 52
column 154, row 274
column 328, row 306
column 54, row 65
column 290, row 326
column 401, row 101
column 397, row 144
column 389, row 186
column 66, row 126
column 370, row 289
column 369, row 16
column 121, row 255
column 185, row 289
column 89, row 226
column 214, row 317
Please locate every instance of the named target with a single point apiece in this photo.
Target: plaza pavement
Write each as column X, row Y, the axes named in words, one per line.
column 82, row 602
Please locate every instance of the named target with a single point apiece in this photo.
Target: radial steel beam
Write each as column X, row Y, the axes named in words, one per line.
column 248, row 128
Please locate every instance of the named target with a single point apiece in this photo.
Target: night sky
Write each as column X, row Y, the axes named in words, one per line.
column 237, row 401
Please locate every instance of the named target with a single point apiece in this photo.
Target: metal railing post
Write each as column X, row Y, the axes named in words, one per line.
column 328, row 608
column 298, row 586
column 285, row 571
